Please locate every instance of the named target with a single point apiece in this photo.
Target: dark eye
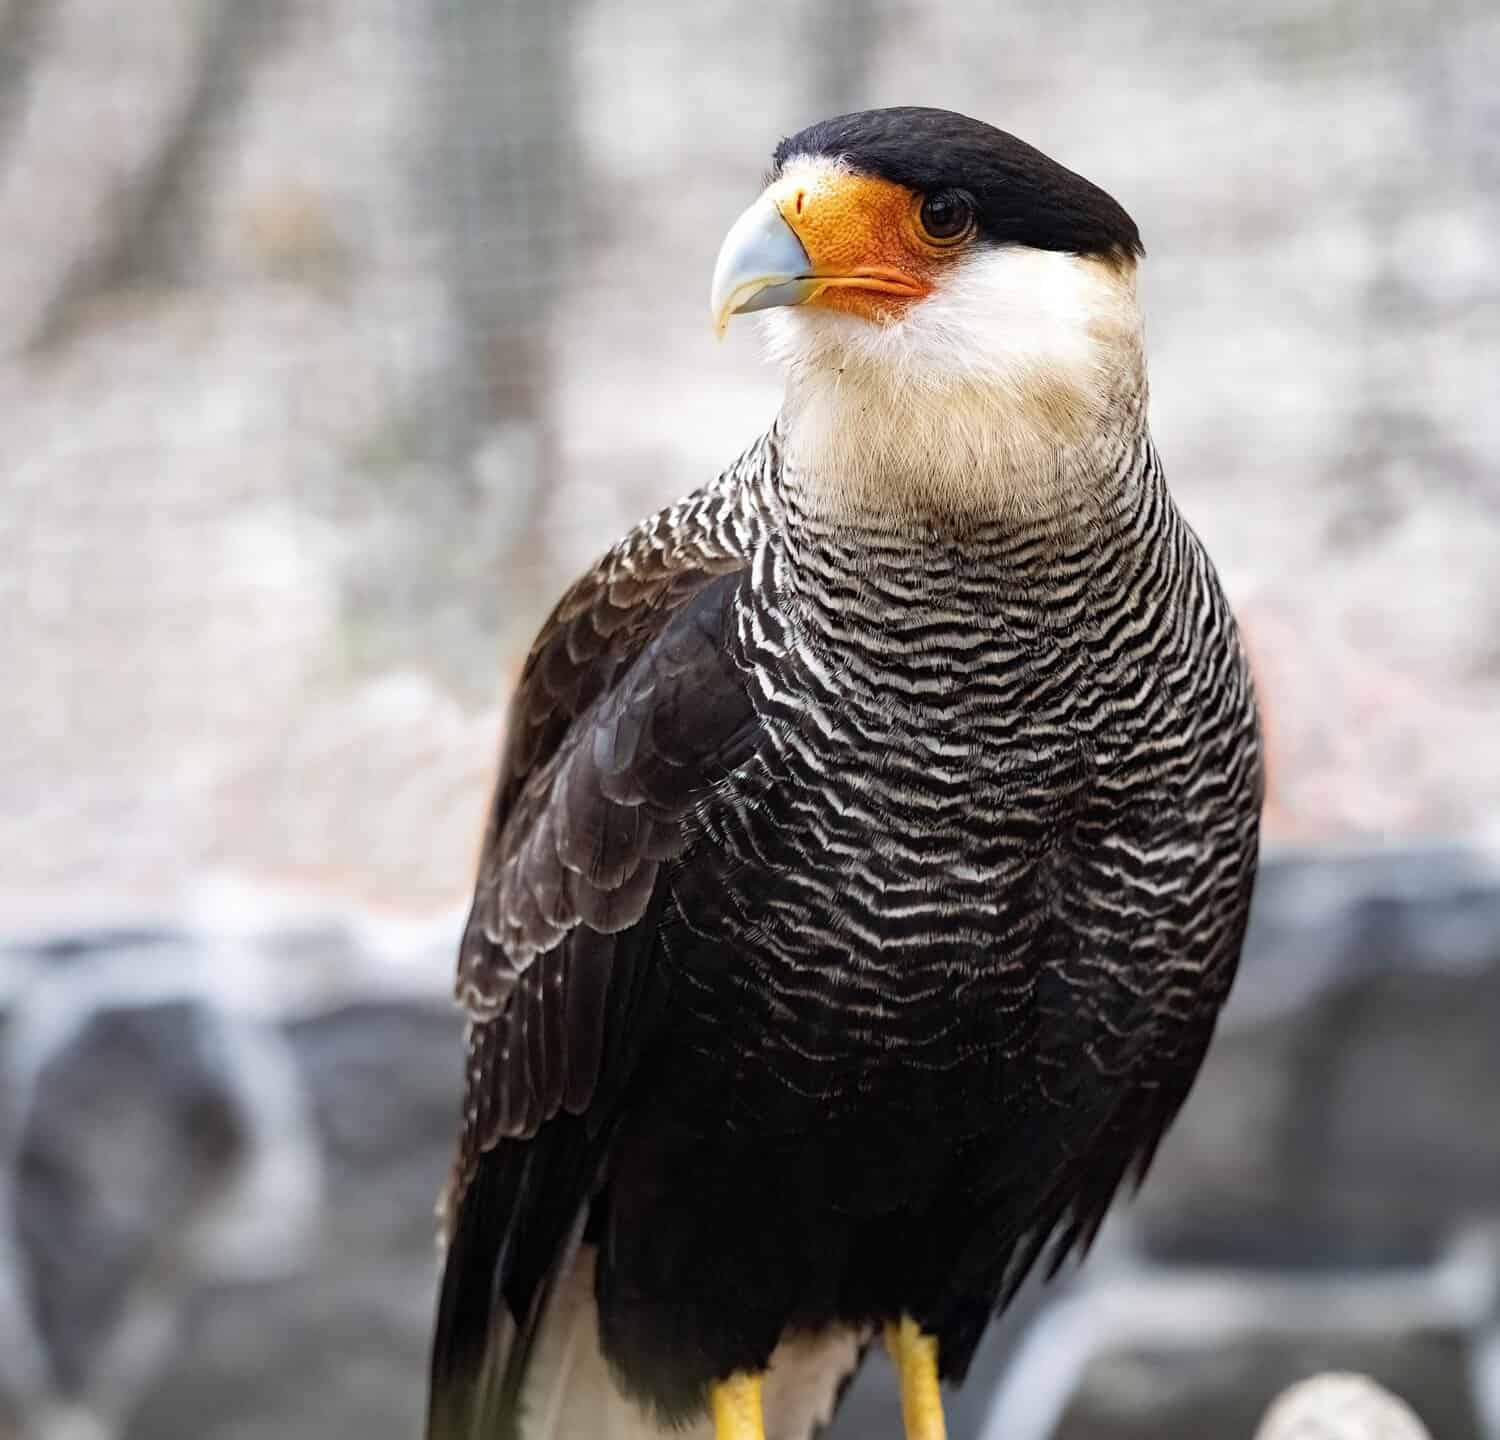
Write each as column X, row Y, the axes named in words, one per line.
column 947, row 215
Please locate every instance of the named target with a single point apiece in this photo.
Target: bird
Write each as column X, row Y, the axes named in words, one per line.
column 873, row 839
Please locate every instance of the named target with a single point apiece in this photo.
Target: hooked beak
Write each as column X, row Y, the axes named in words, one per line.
column 761, row 264
column 823, row 236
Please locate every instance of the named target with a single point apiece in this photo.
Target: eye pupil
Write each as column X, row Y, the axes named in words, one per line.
column 945, row 215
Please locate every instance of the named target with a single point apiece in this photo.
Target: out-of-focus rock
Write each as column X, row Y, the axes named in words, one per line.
column 339, row 1347
column 134, row 1129
column 152, row 1146
column 1222, row 1393
column 383, row 1081
column 1362, row 1029
column 1340, row 1407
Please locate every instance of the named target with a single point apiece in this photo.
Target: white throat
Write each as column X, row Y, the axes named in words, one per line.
column 991, row 396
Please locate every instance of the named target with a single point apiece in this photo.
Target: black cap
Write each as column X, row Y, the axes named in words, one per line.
column 1020, row 196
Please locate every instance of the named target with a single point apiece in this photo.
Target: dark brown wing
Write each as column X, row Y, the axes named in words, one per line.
column 599, row 629
column 576, row 861
column 627, row 710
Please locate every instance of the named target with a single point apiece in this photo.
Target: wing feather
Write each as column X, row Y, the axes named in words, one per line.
column 629, row 711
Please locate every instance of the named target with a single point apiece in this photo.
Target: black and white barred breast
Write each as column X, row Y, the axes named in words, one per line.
column 1013, row 765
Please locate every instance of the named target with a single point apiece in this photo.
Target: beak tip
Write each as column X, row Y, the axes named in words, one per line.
column 761, row 263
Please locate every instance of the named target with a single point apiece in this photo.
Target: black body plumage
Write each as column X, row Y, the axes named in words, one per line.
column 857, row 905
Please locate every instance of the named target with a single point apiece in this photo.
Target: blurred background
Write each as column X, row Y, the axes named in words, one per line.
column 336, row 336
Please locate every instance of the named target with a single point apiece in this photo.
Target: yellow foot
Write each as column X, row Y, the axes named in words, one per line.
column 915, row 1357
column 736, row 1406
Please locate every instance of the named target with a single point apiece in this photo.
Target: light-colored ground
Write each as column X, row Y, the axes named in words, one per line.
column 306, row 419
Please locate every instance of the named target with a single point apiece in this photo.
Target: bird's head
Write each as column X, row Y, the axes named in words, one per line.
column 952, row 305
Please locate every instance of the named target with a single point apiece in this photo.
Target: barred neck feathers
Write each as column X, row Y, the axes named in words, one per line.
column 847, row 581
column 1005, row 395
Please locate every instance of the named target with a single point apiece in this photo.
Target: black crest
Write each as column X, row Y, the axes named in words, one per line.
column 1021, row 197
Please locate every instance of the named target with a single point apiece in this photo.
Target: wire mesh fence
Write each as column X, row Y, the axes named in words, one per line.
column 338, row 335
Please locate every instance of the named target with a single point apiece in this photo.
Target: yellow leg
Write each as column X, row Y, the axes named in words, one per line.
column 737, row 1414
column 915, row 1357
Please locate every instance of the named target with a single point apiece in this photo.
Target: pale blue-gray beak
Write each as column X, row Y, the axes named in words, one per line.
column 761, row 264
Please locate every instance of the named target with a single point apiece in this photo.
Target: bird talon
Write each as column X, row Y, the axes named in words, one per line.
column 915, row 1357
column 737, row 1409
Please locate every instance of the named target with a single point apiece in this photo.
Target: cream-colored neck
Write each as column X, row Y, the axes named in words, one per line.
column 1002, row 395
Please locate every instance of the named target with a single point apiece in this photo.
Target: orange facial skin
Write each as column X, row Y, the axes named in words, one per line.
column 865, row 239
